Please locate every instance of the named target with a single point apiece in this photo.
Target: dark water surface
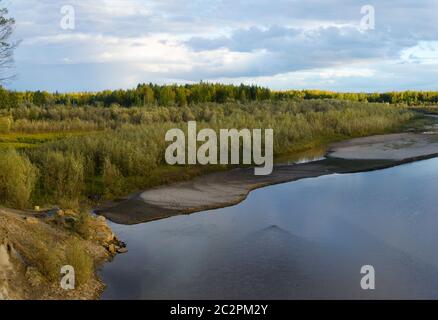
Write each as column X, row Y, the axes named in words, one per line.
column 304, row 239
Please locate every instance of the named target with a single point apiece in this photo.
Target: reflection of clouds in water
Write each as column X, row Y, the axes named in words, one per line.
column 191, row 230
column 304, row 239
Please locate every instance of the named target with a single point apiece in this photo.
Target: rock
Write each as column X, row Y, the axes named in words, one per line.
column 101, row 219
column 32, row 220
column 110, row 237
column 70, row 213
column 37, row 208
column 122, row 250
column 112, row 249
column 60, row 213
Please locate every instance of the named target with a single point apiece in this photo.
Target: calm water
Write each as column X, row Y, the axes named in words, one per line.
column 305, row 239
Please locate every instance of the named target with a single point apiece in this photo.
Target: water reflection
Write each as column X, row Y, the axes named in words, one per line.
column 305, row 239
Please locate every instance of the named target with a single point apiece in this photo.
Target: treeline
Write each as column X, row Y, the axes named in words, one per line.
column 191, row 94
column 143, row 95
column 410, row 98
column 116, row 162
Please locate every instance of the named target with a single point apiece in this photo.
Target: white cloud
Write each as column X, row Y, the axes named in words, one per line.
column 426, row 52
column 278, row 43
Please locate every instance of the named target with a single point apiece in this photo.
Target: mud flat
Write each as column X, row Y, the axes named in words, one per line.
column 224, row 189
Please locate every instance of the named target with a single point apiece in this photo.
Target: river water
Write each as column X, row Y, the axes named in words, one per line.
column 301, row 240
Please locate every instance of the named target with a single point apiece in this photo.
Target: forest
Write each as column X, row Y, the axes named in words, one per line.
column 183, row 95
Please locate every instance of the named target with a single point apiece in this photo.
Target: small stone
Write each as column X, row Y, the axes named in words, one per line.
column 32, row 220
column 110, row 237
column 37, row 208
column 112, row 249
column 70, row 213
column 122, row 250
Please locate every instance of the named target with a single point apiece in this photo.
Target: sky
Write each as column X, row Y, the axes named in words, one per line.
column 280, row 44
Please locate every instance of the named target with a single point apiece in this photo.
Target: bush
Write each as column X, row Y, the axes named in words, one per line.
column 63, row 177
column 112, row 179
column 49, row 261
column 5, row 124
column 80, row 260
column 49, row 264
column 83, row 225
column 17, row 179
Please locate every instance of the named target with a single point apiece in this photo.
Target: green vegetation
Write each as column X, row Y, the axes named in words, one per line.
column 431, row 109
column 48, row 243
column 49, row 262
column 17, row 179
column 191, row 94
column 93, row 153
column 410, row 98
column 62, row 176
column 80, row 260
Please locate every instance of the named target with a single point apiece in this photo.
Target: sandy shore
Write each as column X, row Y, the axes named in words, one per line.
column 391, row 147
column 223, row 189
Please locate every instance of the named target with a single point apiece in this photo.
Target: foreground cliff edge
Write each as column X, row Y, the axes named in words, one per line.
column 35, row 246
column 228, row 188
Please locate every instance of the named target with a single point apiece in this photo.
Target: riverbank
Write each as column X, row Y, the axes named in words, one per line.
column 228, row 188
column 34, row 247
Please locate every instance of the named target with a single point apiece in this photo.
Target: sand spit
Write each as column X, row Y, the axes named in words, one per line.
column 224, row 189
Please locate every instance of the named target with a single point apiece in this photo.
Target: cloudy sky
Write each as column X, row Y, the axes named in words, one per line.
column 281, row 44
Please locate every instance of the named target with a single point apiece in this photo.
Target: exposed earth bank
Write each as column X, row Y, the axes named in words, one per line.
column 228, row 188
column 34, row 247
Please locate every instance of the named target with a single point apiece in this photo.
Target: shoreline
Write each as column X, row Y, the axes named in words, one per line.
column 228, row 188
column 33, row 247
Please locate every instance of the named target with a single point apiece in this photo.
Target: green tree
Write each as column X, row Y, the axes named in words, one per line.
column 148, row 95
column 181, row 97
column 167, row 96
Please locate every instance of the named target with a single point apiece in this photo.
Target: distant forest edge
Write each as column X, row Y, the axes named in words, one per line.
column 183, row 95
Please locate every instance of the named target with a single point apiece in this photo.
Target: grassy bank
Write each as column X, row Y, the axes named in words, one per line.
column 35, row 248
column 110, row 152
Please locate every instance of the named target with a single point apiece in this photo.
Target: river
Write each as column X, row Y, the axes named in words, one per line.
column 306, row 239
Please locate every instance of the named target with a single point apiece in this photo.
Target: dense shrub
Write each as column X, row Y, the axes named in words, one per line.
column 128, row 149
column 17, row 179
column 5, row 124
column 62, row 176
column 112, row 179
